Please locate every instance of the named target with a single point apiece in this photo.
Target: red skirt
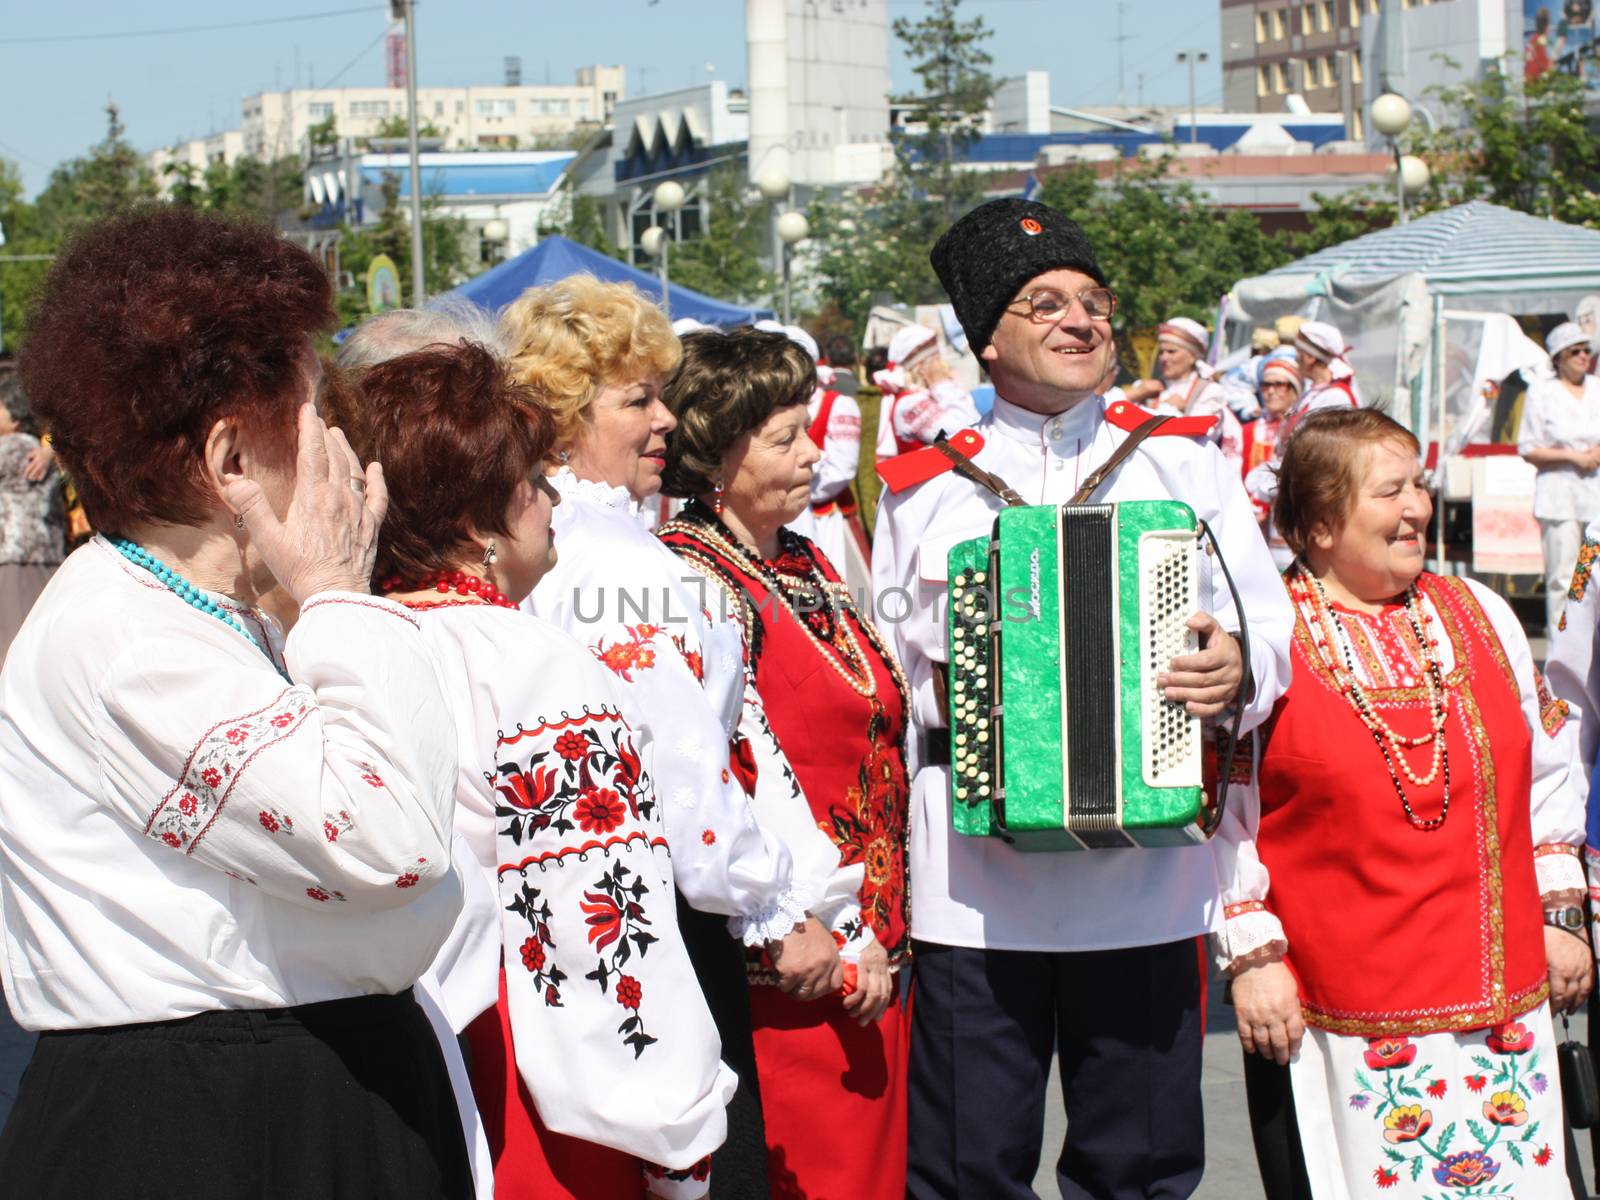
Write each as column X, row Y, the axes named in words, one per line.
column 834, row 1097
column 531, row 1162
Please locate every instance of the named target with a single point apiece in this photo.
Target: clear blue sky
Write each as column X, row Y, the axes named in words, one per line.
column 180, row 85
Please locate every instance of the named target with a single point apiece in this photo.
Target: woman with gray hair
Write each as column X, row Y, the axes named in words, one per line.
column 33, row 514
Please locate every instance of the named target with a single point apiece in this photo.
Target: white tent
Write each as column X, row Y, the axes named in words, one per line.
column 1426, row 308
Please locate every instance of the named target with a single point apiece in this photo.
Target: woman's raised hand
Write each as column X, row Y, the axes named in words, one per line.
column 328, row 538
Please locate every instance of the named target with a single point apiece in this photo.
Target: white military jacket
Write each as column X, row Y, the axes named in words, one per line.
column 979, row 892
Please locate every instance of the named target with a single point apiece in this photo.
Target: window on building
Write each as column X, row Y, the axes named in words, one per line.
column 369, row 108
column 1357, row 128
column 583, row 106
column 1325, row 17
column 1330, row 70
column 495, row 108
column 1308, row 19
column 551, row 107
column 1263, row 25
column 319, row 112
column 1263, row 80
column 1355, row 65
column 438, row 108
column 1372, row 7
column 1280, row 24
column 1355, row 14
column 1283, row 76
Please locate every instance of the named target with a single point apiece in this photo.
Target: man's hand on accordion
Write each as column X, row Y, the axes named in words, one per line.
column 1205, row 682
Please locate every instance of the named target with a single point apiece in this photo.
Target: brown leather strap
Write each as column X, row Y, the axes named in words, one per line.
column 1129, row 445
column 968, row 469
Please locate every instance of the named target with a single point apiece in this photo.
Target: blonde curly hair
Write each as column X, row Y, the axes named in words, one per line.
column 570, row 339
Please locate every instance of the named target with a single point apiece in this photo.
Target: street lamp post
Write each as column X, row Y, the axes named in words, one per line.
column 1391, row 114
column 667, row 199
column 792, row 227
column 773, row 184
column 408, row 10
column 496, row 232
column 1192, row 57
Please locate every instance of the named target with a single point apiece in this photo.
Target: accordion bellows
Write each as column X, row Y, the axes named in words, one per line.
column 1059, row 623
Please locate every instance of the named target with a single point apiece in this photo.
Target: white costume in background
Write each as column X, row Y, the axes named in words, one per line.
column 1565, row 499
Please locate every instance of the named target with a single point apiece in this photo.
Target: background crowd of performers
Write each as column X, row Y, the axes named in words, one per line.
column 396, row 806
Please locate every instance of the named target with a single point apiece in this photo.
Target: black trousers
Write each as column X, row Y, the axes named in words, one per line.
column 739, row 1167
column 347, row 1099
column 1280, row 1155
column 1127, row 1026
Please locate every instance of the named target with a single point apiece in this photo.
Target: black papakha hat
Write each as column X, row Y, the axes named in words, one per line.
column 996, row 248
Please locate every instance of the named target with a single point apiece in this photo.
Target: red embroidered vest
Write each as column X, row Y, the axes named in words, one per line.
column 847, row 750
column 845, row 501
column 1393, row 929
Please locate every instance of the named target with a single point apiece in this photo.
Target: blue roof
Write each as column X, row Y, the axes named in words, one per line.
column 556, row 258
column 1026, row 147
column 477, row 179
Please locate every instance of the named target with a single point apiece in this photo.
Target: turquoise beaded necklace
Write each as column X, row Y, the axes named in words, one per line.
column 184, row 590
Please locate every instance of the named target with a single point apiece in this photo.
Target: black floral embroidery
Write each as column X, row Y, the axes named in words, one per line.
column 533, row 908
column 589, row 778
column 615, row 914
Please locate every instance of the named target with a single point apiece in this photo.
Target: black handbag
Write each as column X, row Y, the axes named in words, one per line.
column 1579, row 1092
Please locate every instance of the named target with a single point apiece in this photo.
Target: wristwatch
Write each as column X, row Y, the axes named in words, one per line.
column 1569, row 918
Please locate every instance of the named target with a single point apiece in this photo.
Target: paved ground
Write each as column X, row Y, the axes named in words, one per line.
column 1230, row 1158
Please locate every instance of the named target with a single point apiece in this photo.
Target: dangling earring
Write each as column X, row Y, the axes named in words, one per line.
column 716, row 501
column 490, row 556
column 238, row 522
column 563, row 455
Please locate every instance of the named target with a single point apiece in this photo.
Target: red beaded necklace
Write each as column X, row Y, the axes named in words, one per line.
column 470, row 587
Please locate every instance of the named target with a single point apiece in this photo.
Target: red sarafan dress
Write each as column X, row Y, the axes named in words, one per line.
column 1415, row 807
column 837, row 704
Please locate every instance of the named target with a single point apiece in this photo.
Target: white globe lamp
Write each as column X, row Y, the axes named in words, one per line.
column 669, row 196
column 651, row 239
column 1391, row 114
column 793, row 227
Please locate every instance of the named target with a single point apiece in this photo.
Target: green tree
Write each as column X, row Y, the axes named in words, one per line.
column 444, row 249
column 398, row 127
column 724, row 261
column 949, row 60
column 111, row 177
column 24, row 236
column 579, row 219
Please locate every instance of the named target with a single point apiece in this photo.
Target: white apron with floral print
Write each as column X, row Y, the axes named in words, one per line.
column 1446, row 1116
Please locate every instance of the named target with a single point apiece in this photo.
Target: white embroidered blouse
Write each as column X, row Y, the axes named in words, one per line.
column 184, row 829
column 555, row 798
column 643, row 613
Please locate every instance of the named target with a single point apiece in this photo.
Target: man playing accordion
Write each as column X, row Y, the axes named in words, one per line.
column 1095, row 952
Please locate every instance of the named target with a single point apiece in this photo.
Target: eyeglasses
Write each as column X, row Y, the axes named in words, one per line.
column 1583, row 350
column 1051, row 304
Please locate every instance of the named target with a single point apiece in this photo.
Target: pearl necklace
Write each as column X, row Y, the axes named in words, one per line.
column 855, row 670
column 186, row 591
column 1390, row 744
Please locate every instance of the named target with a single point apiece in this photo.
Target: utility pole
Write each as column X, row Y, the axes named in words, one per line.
column 407, row 9
column 1192, row 57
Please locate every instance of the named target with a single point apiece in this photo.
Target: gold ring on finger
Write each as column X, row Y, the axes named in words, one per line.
column 358, row 485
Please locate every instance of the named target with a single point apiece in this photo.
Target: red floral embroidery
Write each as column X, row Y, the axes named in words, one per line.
column 1387, row 1053
column 1385, row 1177
column 268, row 821
column 373, row 778
column 1438, row 1088
column 317, row 893
column 1475, row 1083
column 708, row 837
column 603, row 917
column 629, row 993
column 599, row 810
column 408, row 879
column 742, row 761
column 635, row 654
column 322, row 895
column 529, row 789
column 213, row 768
column 333, row 826
column 1511, row 1038
column 532, row 955
column 1543, row 1155
column 572, row 746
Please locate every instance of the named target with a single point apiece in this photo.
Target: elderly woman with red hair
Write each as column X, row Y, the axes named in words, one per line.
column 226, row 854
column 597, row 1073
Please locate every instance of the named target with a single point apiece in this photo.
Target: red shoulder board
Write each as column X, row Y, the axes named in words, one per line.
column 906, row 470
column 1128, row 417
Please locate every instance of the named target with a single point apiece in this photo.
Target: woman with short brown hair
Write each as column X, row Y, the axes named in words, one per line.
column 835, row 705
column 226, row 853
column 1415, row 815
column 596, row 1072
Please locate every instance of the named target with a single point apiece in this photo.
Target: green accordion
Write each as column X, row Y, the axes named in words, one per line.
column 1058, row 624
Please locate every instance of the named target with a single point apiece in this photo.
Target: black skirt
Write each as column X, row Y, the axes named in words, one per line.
column 347, row 1099
column 739, row 1167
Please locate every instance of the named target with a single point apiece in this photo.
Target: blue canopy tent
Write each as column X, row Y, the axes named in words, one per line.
column 557, row 257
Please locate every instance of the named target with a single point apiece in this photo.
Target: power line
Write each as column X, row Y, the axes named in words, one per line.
column 176, row 29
